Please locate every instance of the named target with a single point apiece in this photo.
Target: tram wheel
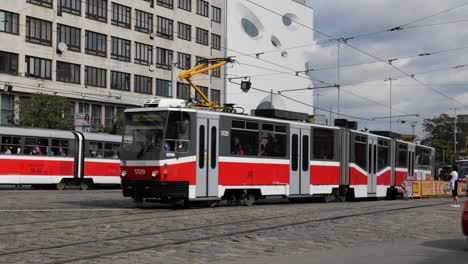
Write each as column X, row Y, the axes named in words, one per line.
column 212, row 203
column 61, row 186
column 248, row 198
column 84, row 186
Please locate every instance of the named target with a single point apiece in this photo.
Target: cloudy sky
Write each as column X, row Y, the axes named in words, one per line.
column 445, row 34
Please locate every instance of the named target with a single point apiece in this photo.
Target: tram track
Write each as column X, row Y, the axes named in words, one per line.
column 206, row 237
column 233, row 233
column 119, row 215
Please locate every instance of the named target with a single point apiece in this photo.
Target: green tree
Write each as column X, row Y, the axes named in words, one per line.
column 45, row 111
column 441, row 129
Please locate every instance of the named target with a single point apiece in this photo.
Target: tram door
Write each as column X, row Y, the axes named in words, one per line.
column 411, row 150
column 372, row 167
column 207, row 156
column 300, row 161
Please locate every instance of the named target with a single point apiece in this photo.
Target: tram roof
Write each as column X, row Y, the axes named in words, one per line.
column 102, row 137
column 194, row 110
column 36, row 132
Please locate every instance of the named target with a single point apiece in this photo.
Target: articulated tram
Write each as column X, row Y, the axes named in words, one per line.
column 47, row 157
column 171, row 152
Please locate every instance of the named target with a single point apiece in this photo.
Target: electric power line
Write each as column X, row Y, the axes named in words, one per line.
column 344, row 41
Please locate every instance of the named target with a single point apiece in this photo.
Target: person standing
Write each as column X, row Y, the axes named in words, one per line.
column 454, row 186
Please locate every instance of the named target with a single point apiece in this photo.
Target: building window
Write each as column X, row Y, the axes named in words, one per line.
column 68, row 72
column 143, row 84
column 249, row 28
column 204, row 90
column 216, row 14
column 70, row 36
column 185, row 31
column 8, row 63
column 144, row 22
column 120, row 49
column 216, row 72
column 203, row 8
column 183, row 91
column 9, row 22
column 165, row 28
column 163, row 88
column 215, row 96
column 38, row 67
column 96, row 44
column 166, row 3
column 95, row 77
column 202, row 36
column 109, row 116
column 185, row 5
column 143, row 54
column 121, row 15
column 120, row 81
column 164, row 58
column 38, row 31
column 216, row 41
column 97, row 10
column 201, row 60
column 96, row 112
column 7, row 114
column 70, row 6
column 45, row 3
column 184, row 61
column 83, row 108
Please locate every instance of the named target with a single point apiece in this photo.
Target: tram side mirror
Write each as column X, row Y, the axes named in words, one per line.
column 245, row 86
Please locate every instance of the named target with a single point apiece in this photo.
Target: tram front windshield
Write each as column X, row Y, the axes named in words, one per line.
column 150, row 134
column 144, row 133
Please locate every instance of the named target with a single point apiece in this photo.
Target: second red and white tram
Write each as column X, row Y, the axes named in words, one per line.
column 179, row 153
column 40, row 157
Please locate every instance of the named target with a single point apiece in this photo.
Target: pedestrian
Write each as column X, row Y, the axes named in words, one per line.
column 454, row 186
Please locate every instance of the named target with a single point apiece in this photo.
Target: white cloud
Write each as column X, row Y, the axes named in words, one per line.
column 348, row 18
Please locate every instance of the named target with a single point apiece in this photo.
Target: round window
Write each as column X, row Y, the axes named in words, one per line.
column 249, row 27
column 276, row 42
column 287, row 20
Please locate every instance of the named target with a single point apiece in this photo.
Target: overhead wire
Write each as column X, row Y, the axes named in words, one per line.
column 305, row 104
column 345, row 42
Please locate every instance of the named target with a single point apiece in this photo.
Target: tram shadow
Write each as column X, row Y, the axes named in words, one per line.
column 460, row 244
column 118, row 204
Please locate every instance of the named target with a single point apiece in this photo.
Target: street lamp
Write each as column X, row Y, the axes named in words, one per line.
column 390, row 80
column 454, row 133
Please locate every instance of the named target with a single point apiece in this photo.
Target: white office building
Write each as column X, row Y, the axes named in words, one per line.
column 106, row 55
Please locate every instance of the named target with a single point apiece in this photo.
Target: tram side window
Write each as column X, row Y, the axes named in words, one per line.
column 60, row 147
column 244, row 138
column 178, row 133
column 383, row 155
column 402, row 156
column 324, row 144
column 10, row 145
column 273, row 140
column 423, row 158
column 360, row 151
column 111, row 151
column 36, row 146
column 95, row 150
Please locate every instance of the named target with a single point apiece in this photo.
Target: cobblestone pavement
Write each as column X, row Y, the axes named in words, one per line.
column 100, row 226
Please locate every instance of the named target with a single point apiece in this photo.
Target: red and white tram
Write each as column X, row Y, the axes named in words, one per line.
column 171, row 152
column 30, row 156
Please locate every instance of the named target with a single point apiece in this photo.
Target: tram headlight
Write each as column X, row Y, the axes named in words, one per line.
column 155, row 173
column 123, row 173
